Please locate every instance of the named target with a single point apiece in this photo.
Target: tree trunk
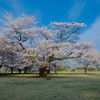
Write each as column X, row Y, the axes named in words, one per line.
column 11, row 70
column 19, row 71
column 85, row 70
column 42, row 72
column 55, row 70
column 25, row 69
column 0, row 68
column 96, row 68
column 48, row 71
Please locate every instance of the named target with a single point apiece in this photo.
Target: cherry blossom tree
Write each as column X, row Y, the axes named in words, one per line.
column 58, row 41
column 4, row 43
column 96, row 62
column 11, row 54
column 47, row 50
column 89, row 58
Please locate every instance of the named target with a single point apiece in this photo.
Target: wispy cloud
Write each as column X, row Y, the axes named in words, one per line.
column 97, row 1
column 14, row 6
column 38, row 14
column 76, row 9
column 93, row 33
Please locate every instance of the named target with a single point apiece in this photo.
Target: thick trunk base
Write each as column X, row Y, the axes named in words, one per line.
column 25, row 70
column 19, row 71
column 42, row 72
column 48, row 71
column 11, row 70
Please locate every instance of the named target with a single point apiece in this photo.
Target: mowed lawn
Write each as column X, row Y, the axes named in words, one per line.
column 73, row 87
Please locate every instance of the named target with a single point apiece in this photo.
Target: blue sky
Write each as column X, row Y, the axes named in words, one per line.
column 82, row 11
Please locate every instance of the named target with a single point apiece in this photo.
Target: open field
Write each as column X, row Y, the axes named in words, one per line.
column 72, row 87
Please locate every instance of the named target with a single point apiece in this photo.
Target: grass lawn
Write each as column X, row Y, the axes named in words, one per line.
column 73, row 87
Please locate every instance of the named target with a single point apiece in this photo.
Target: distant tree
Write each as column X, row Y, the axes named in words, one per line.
column 89, row 58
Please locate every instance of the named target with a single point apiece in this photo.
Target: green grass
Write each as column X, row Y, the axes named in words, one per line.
column 59, row 74
column 73, row 87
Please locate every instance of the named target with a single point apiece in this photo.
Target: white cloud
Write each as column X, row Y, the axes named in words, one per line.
column 93, row 33
column 76, row 10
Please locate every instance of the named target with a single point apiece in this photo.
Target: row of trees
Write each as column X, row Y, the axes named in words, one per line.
column 22, row 44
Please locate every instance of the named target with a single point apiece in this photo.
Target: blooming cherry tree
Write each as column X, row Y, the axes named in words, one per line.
column 89, row 58
column 58, row 41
